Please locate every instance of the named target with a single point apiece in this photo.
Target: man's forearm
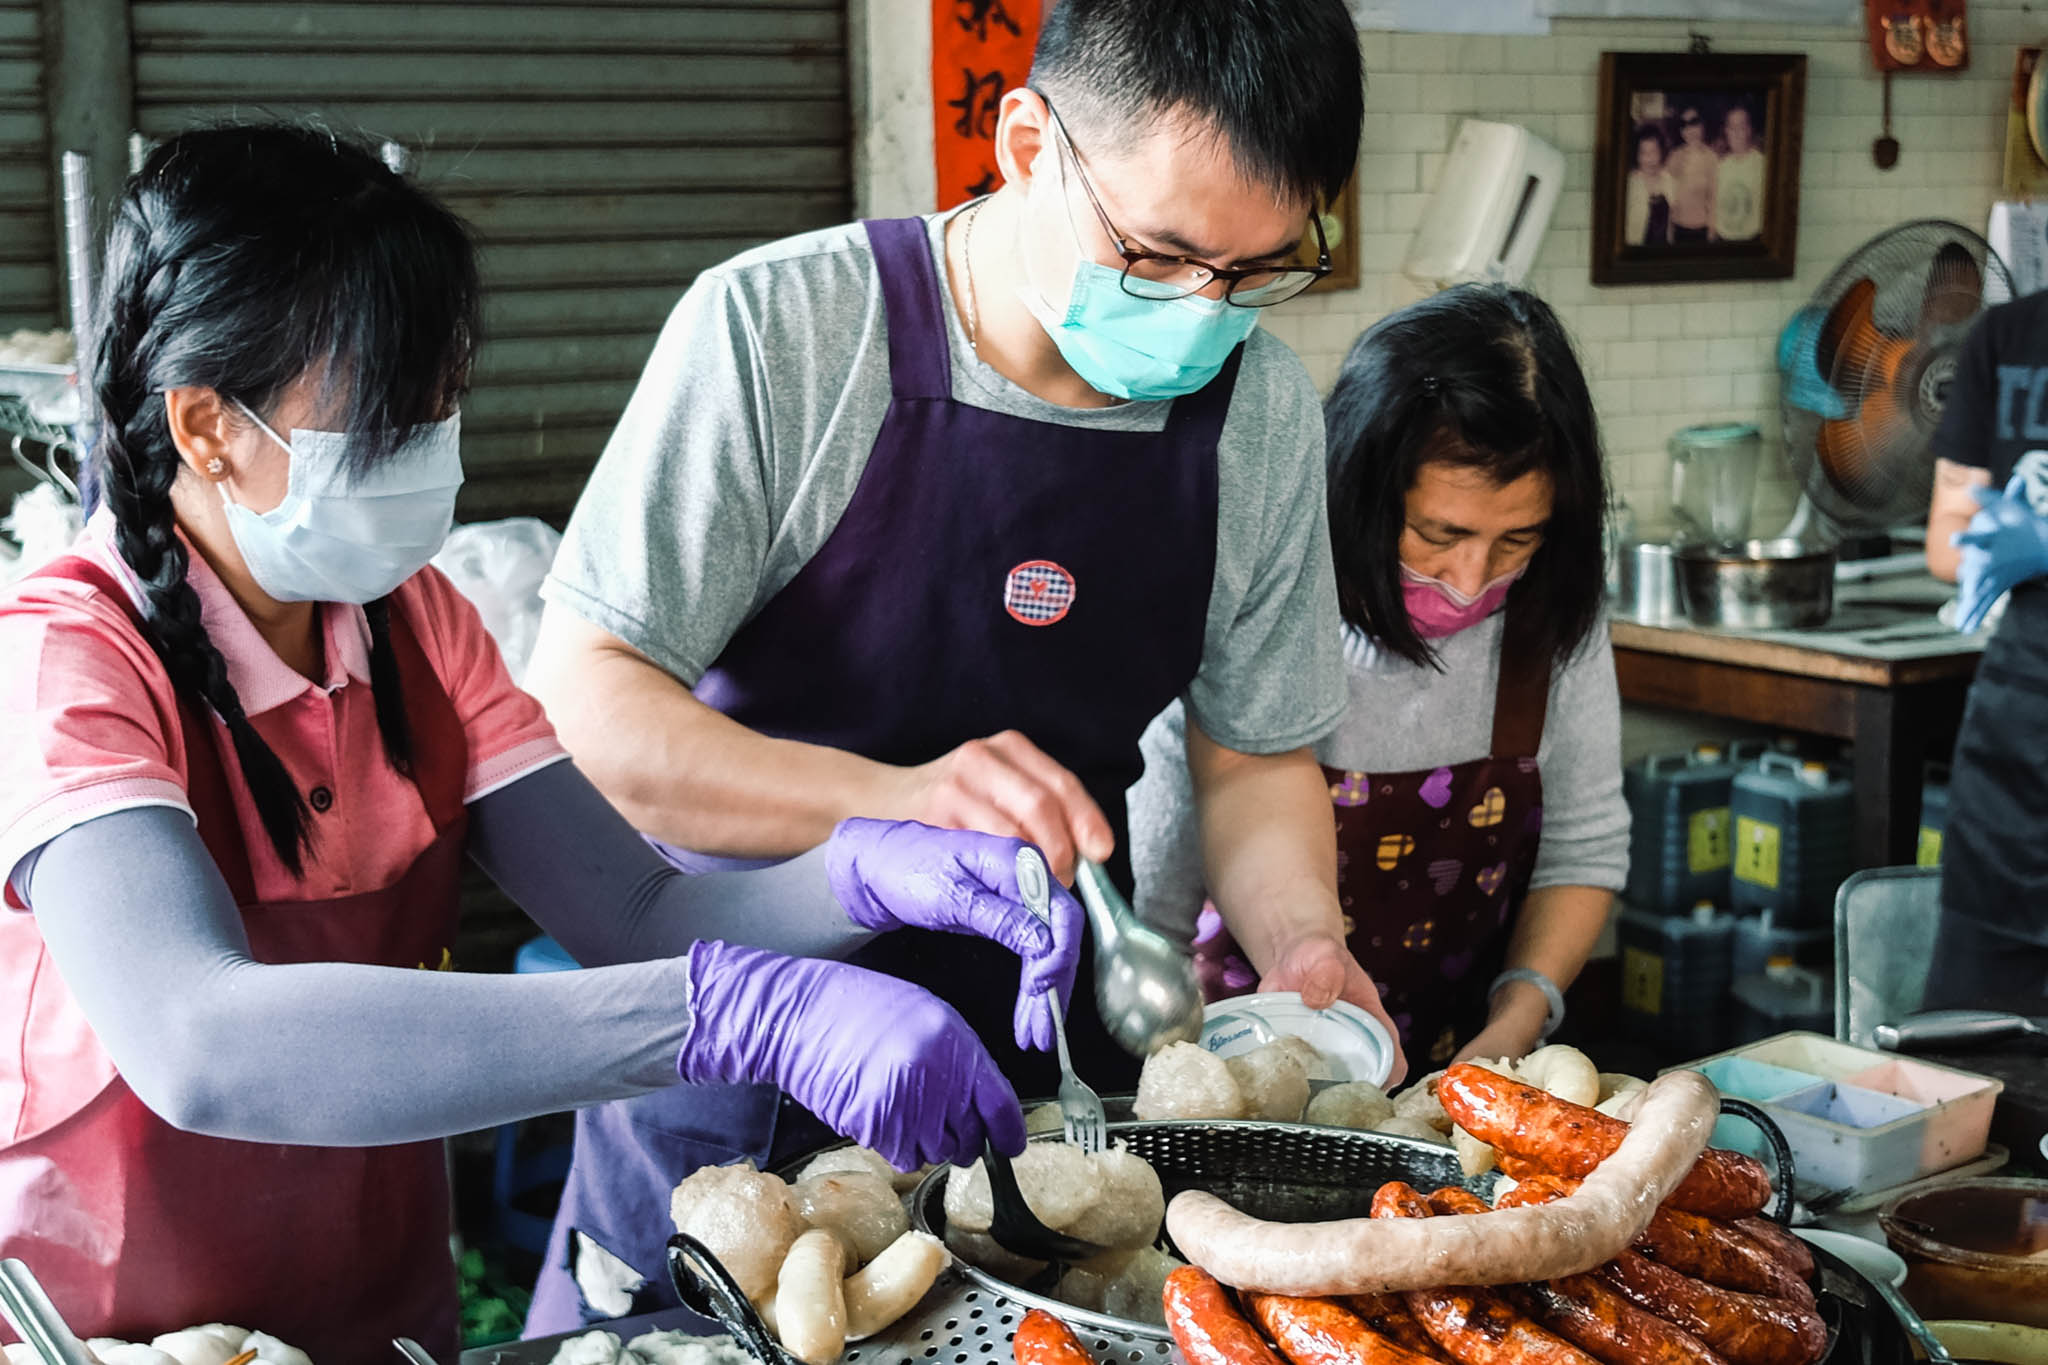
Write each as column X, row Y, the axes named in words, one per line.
column 1269, row 846
column 678, row 769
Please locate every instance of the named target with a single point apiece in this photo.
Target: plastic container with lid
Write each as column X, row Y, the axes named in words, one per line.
column 1679, row 826
column 1974, row 1249
column 1674, row 978
column 1762, row 941
column 1793, row 840
column 1782, row 997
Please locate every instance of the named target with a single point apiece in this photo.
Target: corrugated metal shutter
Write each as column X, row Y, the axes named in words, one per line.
column 605, row 151
column 28, row 238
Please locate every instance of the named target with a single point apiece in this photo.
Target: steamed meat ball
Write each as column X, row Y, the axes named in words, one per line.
column 746, row 1218
column 1044, row 1118
column 863, row 1211
column 1187, row 1081
column 840, row 1160
column 1354, row 1104
column 106, row 1350
column 1137, row 1291
column 215, row 1343
column 1313, row 1064
column 1400, row 1126
column 1131, row 1206
column 981, row 1251
column 1059, row 1182
column 1420, row 1101
column 1272, row 1082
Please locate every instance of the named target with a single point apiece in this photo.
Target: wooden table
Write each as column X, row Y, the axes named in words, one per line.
column 1876, row 675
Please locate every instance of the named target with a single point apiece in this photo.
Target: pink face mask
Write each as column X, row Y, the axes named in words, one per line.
column 1436, row 609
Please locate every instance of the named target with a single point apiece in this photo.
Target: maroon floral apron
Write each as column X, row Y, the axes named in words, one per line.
column 1431, row 866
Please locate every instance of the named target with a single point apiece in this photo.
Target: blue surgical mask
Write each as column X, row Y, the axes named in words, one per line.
column 1130, row 347
column 339, row 536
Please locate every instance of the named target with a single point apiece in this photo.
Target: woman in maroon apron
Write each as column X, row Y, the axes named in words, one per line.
column 1466, row 502
column 247, row 738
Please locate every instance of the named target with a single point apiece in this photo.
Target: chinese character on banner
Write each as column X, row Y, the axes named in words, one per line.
column 980, row 49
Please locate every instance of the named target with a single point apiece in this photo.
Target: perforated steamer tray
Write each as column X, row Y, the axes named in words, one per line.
column 1279, row 1171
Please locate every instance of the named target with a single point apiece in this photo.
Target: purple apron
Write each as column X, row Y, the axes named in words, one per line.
column 1431, row 865
column 991, row 573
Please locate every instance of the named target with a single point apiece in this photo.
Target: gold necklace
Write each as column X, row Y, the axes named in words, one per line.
column 967, row 268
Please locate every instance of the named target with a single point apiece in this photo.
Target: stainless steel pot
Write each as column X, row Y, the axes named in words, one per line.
column 1757, row 585
column 1646, row 587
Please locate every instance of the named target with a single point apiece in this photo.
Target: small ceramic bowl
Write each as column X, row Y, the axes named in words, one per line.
column 1872, row 1260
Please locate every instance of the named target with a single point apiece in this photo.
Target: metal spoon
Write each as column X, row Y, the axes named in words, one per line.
column 1145, row 987
column 34, row 1318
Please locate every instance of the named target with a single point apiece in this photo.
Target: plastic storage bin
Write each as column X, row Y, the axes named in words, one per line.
column 1675, row 973
column 1862, row 1120
column 1793, row 841
column 1679, row 828
column 1782, row 997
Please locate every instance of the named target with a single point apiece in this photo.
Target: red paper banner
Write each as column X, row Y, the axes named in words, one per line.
column 980, row 49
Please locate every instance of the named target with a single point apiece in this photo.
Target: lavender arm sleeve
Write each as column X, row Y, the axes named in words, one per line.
column 150, row 942
column 554, row 844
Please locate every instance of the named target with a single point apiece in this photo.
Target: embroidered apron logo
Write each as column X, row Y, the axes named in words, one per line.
column 1038, row 592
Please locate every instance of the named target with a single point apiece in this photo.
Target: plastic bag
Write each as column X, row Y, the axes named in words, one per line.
column 44, row 523
column 499, row 565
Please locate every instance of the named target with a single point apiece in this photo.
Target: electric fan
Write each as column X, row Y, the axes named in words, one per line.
column 1866, row 366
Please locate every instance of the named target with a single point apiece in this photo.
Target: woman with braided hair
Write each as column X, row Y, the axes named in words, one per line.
column 247, row 738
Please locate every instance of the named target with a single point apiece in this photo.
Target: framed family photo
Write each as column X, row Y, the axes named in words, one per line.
column 1696, row 166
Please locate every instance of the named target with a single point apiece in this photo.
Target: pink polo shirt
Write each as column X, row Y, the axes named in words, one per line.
column 89, row 723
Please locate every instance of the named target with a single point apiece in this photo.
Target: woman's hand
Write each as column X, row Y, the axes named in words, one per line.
column 1323, row 970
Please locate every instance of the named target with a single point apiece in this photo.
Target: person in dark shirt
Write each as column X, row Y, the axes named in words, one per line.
column 1993, row 939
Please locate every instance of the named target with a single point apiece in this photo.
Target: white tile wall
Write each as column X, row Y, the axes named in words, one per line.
column 1662, row 356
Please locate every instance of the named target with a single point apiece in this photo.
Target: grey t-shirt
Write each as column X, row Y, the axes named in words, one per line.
column 747, row 435
column 1401, row 718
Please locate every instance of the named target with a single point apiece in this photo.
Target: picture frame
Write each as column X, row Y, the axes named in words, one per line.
column 1696, row 166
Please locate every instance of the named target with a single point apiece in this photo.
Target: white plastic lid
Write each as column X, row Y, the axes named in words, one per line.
column 1355, row 1046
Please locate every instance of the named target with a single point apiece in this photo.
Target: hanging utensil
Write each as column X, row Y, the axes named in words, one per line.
column 34, row 1318
column 1145, row 987
column 1081, row 1112
column 1885, row 150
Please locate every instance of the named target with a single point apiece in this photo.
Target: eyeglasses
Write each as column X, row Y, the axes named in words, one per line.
column 1156, row 275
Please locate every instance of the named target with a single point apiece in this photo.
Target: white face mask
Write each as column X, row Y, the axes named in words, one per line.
column 343, row 538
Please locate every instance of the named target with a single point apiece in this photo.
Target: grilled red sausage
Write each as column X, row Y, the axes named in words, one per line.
column 1569, row 1139
column 1746, row 1329
column 1319, row 1332
column 1206, row 1324
column 1043, row 1339
column 1389, row 1316
column 1704, row 1248
column 1790, row 1249
column 1475, row 1326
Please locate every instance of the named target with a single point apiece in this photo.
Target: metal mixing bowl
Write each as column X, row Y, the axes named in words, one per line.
column 1757, row 585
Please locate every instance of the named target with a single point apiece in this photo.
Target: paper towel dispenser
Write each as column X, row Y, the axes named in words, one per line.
column 1490, row 208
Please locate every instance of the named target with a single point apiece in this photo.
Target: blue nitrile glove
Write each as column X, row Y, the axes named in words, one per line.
column 898, row 874
column 878, row 1060
column 2005, row 545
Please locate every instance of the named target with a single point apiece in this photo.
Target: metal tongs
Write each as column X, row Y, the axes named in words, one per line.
column 34, row 1318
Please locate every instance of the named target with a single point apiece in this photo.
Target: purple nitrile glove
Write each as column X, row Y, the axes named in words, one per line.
column 2005, row 545
column 898, row 874
column 878, row 1060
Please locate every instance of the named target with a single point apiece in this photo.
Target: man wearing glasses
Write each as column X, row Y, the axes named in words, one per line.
column 929, row 518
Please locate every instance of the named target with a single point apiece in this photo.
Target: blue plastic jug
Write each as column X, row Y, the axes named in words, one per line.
column 1794, row 839
column 1675, row 975
column 1679, row 846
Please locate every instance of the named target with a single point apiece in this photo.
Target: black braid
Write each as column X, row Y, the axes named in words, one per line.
column 140, row 464
column 388, row 688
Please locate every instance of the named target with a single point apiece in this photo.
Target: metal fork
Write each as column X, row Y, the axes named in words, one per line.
column 1081, row 1113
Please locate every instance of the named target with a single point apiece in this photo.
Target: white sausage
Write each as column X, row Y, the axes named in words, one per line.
column 892, row 1283
column 810, row 1301
column 1376, row 1255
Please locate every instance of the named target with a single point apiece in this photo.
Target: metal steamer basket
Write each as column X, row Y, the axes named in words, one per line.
column 1279, row 1171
